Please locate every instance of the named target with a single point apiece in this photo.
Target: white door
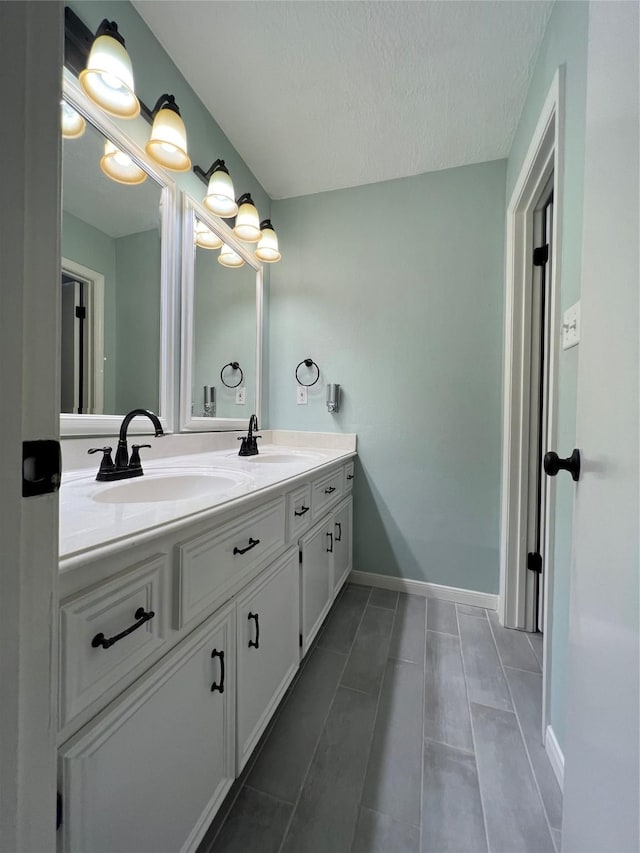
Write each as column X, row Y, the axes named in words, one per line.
column 315, row 579
column 342, row 543
column 268, row 631
column 31, row 59
column 148, row 773
column 601, row 795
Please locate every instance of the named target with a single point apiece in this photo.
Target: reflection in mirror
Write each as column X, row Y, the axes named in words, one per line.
column 221, row 325
column 110, row 280
column 224, row 333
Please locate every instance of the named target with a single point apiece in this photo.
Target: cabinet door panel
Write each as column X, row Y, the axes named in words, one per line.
column 343, row 543
column 316, row 580
column 149, row 772
column 268, row 628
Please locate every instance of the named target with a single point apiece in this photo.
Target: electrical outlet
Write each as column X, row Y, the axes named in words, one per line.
column 240, row 397
column 301, row 395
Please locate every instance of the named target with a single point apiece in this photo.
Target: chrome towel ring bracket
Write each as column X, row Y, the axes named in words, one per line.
column 308, row 362
column 234, row 366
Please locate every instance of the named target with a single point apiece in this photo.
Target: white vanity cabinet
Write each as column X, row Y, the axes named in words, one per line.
column 268, row 651
column 326, row 561
column 150, row 771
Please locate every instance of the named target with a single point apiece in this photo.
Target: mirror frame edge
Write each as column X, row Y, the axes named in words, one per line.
column 84, row 425
column 188, row 423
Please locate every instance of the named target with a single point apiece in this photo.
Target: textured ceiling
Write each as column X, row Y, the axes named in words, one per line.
column 321, row 95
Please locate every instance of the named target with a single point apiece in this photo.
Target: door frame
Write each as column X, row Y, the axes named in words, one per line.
column 31, row 40
column 544, row 156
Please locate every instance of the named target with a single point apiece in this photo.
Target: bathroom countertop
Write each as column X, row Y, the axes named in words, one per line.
column 89, row 522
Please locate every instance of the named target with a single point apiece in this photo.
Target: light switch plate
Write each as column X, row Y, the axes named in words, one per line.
column 301, row 395
column 240, row 396
column 571, row 327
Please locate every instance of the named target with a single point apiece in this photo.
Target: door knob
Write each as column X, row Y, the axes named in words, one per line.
column 552, row 464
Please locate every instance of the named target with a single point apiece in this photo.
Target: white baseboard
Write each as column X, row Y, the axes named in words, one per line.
column 554, row 753
column 429, row 590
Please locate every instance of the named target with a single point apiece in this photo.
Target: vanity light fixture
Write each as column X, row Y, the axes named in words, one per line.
column 108, row 77
column 267, row 248
column 168, row 142
column 247, row 227
column 229, row 258
column 73, row 125
column 205, row 237
column 220, row 197
column 119, row 166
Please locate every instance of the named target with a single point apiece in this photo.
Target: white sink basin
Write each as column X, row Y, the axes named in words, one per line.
column 151, row 488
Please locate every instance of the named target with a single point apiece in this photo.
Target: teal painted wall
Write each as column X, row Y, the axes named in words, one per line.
column 138, row 321
column 95, row 249
column 396, row 290
column 565, row 43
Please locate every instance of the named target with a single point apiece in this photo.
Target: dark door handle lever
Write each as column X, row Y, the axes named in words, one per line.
column 553, row 463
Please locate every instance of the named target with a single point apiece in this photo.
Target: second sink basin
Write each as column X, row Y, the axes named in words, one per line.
column 175, row 486
column 282, row 458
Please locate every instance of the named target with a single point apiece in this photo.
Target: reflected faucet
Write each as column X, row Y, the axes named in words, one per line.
column 124, row 467
column 249, row 446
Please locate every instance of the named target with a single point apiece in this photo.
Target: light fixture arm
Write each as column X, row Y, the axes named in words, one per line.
column 164, row 102
column 110, row 28
column 217, row 165
column 245, row 197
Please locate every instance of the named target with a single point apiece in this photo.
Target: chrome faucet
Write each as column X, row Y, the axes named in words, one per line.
column 124, row 466
column 249, row 446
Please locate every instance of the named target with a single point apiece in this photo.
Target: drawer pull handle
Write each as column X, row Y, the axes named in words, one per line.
column 303, row 510
column 215, row 686
column 330, row 490
column 252, row 544
column 339, row 536
column 256, row 644
column 349, row 476
column 107, row 642
column 330, row 548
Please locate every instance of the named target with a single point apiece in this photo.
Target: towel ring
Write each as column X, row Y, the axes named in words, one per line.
column 308, row 362
column 234, row 366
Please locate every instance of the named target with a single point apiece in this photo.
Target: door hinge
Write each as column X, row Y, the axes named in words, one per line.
column 41, row 467
column 81, row 312
column 534, row 562
column 300, row 640
column 58, row 810
column 541, row 255
column 299, row 556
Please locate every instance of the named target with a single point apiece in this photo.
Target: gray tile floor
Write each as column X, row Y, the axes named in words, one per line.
column 413, row 726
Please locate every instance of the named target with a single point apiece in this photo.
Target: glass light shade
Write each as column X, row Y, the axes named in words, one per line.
column 220, row 198
column 119, row 166
column 205, row 237
column 267, row 248
column 247, row 227
column 73, row 125
column 229, row 258
column 108, row 78
column 168, row 143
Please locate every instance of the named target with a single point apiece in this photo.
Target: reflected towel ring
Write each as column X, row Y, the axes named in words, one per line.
column 234, row 366
column 308, row 362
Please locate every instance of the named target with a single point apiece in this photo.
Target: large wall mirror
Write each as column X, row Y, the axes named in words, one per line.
column 116, row 275
column 221, row 325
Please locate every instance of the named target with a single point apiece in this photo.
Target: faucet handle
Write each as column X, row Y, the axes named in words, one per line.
column 107, row 462
column 134, row 461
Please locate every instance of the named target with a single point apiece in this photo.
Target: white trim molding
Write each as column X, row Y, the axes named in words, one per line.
column 544, row 157
column 426, row 589
column 555, row 755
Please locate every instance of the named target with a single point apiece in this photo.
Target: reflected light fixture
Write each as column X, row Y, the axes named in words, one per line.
column 267, row 248
column 229, row 258
column 108, row 77
column 247, row 227
column 220, row 197
column 119, row 166
column 73, row 124
column 206, row 238
column 168, row 142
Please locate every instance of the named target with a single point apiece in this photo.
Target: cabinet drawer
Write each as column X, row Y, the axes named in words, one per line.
column 217, row 564
column 96, row 651
column 298, row 512
column 325, row 492
column 348, row 476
